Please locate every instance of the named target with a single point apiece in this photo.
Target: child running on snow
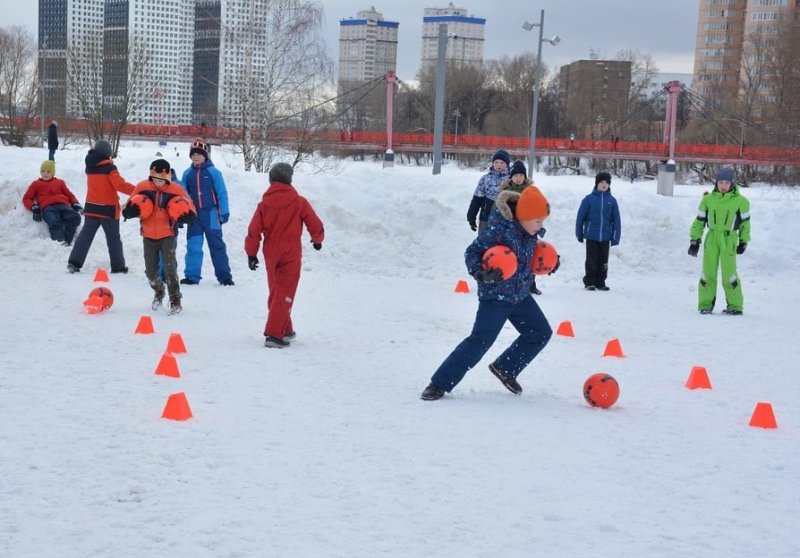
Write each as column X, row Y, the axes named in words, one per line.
column 160, row 205
column 49, row 198
column 515, row 224
column 726, row 213
column 279, row 220
column 486, row 191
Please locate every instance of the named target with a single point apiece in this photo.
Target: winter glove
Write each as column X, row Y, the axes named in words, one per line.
column 317, row 245
column 252, row 262
column 472, row 224
column 37, row 212
column 694, row 248
column 224, row 218
column 558, row 264
column 488, row 276
column 130, row 211
column 580, row 239
column 187, row 218
column 78, row 207
column 741, row 248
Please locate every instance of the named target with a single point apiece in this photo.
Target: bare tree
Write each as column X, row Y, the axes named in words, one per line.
column 105, row 93
column 19, row 86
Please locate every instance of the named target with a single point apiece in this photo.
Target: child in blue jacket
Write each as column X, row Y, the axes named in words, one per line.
column 598, row 223
column 485, row 193
column 514, row 223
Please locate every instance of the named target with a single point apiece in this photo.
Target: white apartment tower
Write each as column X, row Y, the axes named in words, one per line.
column 367, row 46
column 465, row 36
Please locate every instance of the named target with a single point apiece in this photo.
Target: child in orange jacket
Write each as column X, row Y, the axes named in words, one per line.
column 50, row 199
column 160, row 205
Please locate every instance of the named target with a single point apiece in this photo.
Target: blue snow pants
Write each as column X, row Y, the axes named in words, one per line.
column 207, row 224
column 526, row 317
column 62, row 221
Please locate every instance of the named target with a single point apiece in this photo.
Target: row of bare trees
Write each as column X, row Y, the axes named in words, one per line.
column 19, row 85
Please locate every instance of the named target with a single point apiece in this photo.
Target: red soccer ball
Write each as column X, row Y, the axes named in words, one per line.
column 502, row 258
column 545, row 258
column 177, row 207
column 100, row 299
column 601, row 390
column 144, row 204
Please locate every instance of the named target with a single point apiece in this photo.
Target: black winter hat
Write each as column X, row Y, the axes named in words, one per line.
column 518, row 168
column 103, row 148
column 502, row 154
column 602, row 177
column 281, row 172
column 160, row 169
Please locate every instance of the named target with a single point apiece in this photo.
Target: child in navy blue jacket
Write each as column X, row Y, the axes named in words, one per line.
column 598, row 223
column 515, row 222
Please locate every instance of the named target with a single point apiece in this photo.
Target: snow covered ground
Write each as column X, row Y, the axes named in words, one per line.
column 325, row 449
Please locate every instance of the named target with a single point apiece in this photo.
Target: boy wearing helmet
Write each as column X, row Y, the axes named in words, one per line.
column 161, row 206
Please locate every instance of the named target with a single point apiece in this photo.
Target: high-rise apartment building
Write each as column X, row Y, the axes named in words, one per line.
column 367, row 46
column 205, row 77
column 465, row 36
column 593, row 95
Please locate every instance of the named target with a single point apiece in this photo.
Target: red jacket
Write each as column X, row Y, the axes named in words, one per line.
column 103, row 181
column 279, row 219
column 48, row 192
column 158, row 225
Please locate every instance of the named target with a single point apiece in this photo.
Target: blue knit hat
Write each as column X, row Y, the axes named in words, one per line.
column 518, row 168
column 502, row 154
column 724, row 173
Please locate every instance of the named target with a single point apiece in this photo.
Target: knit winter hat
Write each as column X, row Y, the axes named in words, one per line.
column 103, row 148
column 48, row 166
column 199, row 146
column 502, row 154
column 532, row 205
column 725, row 173
column 518, row 168
column 602, row 177
column 281, row 172
column 160, row 169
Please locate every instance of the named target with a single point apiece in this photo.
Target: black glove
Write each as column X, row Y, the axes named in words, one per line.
column 558, row 264
column 694, row 248
column 252, row 262
column 130, row 211
column 187, row 218
column 580, row 239
column 741, row 248
column 78, row 207
column 491, row 275
column 473, row 225
column 37, row 212
column 317, row 245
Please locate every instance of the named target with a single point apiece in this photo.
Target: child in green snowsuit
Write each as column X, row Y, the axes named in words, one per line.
column 727, row 214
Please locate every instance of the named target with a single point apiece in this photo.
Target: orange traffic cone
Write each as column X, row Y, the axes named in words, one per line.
column 565, row 329
column 100, row 276
column 175, row 344
column 145, row 325
column 462, row 287
column 763, row 417
column 168, row 366
column 698, row 378
column 93, row 304
column 613, row 348
column 177, row 407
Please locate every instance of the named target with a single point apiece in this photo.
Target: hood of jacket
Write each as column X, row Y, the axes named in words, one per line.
column 279, row 195
column 506, row 204
column 95, row 159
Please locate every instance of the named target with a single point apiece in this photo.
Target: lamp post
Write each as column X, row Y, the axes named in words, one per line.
column 554, row 41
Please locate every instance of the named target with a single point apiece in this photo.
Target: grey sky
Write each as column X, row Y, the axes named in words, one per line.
column 666, row 30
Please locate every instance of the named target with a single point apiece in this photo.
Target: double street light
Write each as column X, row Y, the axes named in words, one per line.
column 527, row 26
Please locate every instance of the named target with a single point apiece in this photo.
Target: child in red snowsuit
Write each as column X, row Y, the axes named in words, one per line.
column 279, row 219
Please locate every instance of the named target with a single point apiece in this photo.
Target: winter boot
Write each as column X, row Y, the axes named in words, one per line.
column 73, row 268
column 187, row 281
column 431, row 393
column 706, row 310
column 158, row 299
column 175, row 305
column 274, row 342
column 227, row 282
column 732, row 312
column 508, row 380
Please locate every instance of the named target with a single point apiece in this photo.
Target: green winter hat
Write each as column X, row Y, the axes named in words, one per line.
column 48, row 166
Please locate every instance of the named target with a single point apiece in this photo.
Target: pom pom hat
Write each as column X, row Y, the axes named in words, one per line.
column 532, row 205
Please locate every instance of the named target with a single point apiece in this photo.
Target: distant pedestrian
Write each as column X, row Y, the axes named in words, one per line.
column 52, row 140
column 598, row 222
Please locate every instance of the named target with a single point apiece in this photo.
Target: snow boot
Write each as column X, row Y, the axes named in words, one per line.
column 290, row 336
column 431, row 393
column 732, row 312
column 508, row 380
column 158, row 299
column 175, row 305
column 274, row 342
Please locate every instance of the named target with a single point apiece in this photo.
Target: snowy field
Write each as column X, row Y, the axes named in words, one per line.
column 325, row 449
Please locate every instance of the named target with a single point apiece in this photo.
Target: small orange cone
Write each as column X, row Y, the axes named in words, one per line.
column 613, row 348
column 565, row 329
column 462, row 287
column 698, row 378
column 177, row 407
column 145, row 325
column 93, row 304
column 175, row 344
column 763, row 417
column 100, row 276
column 168, row 366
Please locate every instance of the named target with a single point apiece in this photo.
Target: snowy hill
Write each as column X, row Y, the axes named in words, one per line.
column 325, row 449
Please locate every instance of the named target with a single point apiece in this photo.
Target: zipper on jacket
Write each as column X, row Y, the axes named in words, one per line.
column 199, row 190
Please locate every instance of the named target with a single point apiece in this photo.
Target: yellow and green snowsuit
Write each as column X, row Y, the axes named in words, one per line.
column 728, row 219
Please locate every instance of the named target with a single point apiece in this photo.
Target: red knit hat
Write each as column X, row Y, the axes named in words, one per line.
column 532, row 205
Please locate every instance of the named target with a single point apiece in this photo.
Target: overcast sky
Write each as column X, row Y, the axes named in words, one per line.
column 666, row 30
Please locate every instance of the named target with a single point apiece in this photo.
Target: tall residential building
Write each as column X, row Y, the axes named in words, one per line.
column 465, row 36
column 205, row 78
column 367, row 46
column 593, row 95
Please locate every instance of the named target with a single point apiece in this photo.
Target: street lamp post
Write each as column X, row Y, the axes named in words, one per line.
column 554, row 41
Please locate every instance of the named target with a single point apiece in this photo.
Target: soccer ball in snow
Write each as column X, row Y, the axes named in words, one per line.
column 100, row 299
column 601, row 390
